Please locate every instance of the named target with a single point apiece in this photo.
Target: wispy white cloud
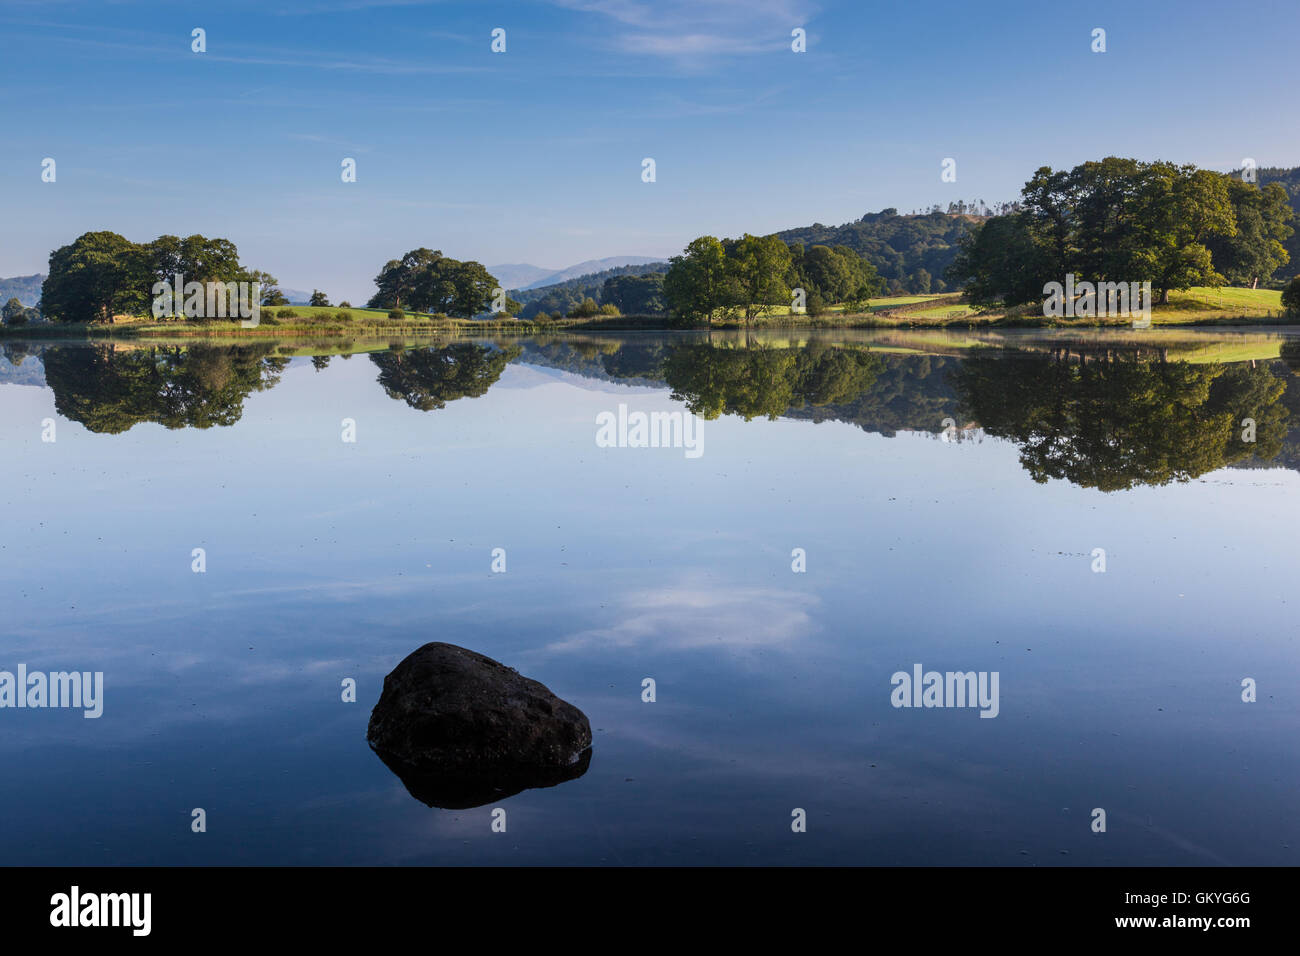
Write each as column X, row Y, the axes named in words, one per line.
column 698, row 29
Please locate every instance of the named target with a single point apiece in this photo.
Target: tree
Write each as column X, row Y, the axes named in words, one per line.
column 269, row 287
column 585, row 310
column 319, row 298
column 636, row 295
column 13, row 310
column 1255, row 250
column 1121, row 220
column 824, row 271
column 1291, row 296
column 1178, row 208
column 424, row 280
column 472, row 287
column 1000, row 263
column 195, row 258
column 99, row 275
column 698, row 284
column 758, row 265
column 399, row 279
column 512, row 307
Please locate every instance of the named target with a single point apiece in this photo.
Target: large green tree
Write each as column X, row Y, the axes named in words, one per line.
column 635, row 295
column 758, row 266
column 424, row 280
column 98, row 276
column 698, row 284
column 1120, row 220
column 1255, row 249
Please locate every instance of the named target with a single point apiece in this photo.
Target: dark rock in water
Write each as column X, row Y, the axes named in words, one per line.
column 461, row 729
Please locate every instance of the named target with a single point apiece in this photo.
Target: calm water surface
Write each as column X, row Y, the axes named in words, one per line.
column 959, row 545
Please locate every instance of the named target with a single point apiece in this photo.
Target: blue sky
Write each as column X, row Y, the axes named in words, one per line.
column 534, row 155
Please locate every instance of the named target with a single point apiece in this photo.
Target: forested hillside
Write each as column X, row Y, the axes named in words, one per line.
column 911, row 253
column 564, row 296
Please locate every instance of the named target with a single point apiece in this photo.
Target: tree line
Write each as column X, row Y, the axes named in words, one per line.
column 911, row 253
column 748, row 277
column 1124, row 220
column 560, row 298
column 103, row 274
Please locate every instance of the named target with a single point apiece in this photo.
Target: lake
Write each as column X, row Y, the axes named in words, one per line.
column 229, row 533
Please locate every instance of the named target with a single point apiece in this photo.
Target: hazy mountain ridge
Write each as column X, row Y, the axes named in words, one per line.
column 26, row 289
column 548, row 277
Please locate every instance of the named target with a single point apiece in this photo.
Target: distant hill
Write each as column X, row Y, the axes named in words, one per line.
column 911, row 253
column 523, row 276
column 26, row 289
column 563, row 296
column 519, row 275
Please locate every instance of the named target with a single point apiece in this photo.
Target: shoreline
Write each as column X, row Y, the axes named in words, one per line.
column 278, row 329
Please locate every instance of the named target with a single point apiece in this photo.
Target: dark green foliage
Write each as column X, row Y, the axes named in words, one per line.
column 102, row 274
column 98, row 276
column 424, row 280
column 1291, row 296
column 1000, row 264
column 1289, row 181
column 832, row 274
column 635, row 294
column 898, row 247
column 1122, row 220
column 585, row 309
column 754, row 274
